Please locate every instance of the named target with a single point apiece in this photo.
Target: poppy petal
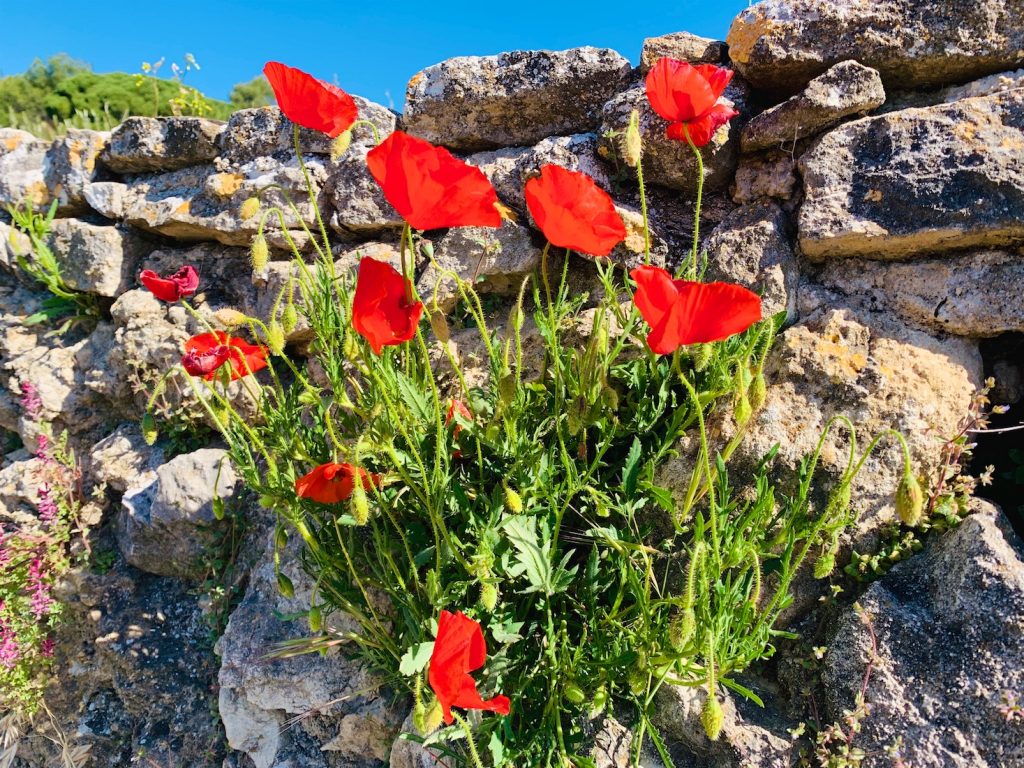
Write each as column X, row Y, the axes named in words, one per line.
column 718, row 78
column 380, row 311
column 703, row 129
column 573, row 212
column 678, row 91
column 458, row 650
column 310, row 102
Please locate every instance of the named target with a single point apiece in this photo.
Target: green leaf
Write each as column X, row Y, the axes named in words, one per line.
column 533, row 559
column 742, row 690
column 507, row 632
column 497, row 749
column 414, row 398
column 632, row 469
column 416, row 658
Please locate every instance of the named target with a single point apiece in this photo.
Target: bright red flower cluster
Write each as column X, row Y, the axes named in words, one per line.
column 309, row 102
column 207, row 352
column 687, row 96
column 458, row 650
column 180, row 285
column 333, row 483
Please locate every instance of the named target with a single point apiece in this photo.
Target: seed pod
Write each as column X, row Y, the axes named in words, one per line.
column 290, row 317
column 682, row 628
column 249, row 208
column 712, row 717
column 360, row 505
column 513, row 501
column 909, row 499
column 285, row 586
column 632, row 143
column 701, row 354
column 149, row 428
column 758, row 391
column 488, row 596
column 259, row 254
column 573, row 693
column 341, row 144
column 316, row 618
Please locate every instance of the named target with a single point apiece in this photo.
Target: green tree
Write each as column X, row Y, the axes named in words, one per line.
column 255, row 93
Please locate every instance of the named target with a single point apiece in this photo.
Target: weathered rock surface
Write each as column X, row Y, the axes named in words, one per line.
column 751, row 247
column 846, row 89
column 667, row 162
column 513, row 99
column 950, row 630
column 142, row 144
column 977, row 294
column 122, row 459
column 97, row 257
column 167, row 526
column 918, row 181
column 684, row 47
column 781, row 44
column 765, row 175
column 348, row 722
column 358, row 206
column 70, row 166
column 985, row 86
column 21, row 169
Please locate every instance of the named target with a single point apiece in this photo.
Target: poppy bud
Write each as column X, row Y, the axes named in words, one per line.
column 229, row 318
column 290, row 317
column 610, row 398
column 508, row 385
column 360, row 505
column 825, row 564
column 909, row 499
column 632, row 143
column 599, row 701
column 259, row 253
column 573, row 693
column 743, row 411
column 683, row 625
column 711, row 717
column 350, row 347
column 488, row 596
column 285, row 586
column 758, row 391
column 439, row 324
column 701, row 355
column 275, row 337
column 427, row 249
column 513, row 501
column 341, row 144
column 218, row 508
column 249, row 208
column 149, row 429
column 280, row 538
column 315, row 618
column 637, row 676
column 426, row 719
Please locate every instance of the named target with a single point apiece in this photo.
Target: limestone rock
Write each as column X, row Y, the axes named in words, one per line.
column 258, row 695
column 751, row 247
column 13, row 243
column 985, row 86
column 781, row 44
column 265, row 131
column 950, row 629
column 667, row 162
column 846, row 89
column 106, row 198
column 492, row 260
column 976, row 294
column 70, row 166
column 765, row 175
column 472, row 103
column 683, row 46
column 21, row 169
column 96, row 258
column 122, row 459
column 167, row 526
column 357, row 204
column 161, row 143
column 918, row 181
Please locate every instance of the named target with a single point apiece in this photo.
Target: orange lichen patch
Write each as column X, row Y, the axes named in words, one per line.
column 966, row 131
column 874, row 196
column 847, row 362
column 1015, row 143
column 745, row 33
column 12, row 143
column 37, row 193
column 225, row 184
column 634, row 230
column 415, row 79
column 184, row 208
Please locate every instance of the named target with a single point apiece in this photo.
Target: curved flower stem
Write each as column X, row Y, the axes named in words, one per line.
column 371, row 126
column 700, row 200
column 477, row 763
column 298, row 217
column 643, row 211
column 309, row 189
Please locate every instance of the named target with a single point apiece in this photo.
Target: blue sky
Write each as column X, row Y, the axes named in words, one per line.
column 370, row 48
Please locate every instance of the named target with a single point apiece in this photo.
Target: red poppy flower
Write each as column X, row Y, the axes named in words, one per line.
column 429, row 187
column 381, row 312
column 458, row 650
column 207, row 352
column 309, row 102
column 573, row 212
column 182, row 283
column 687, row 96
column 333, row 483
column 463, row 411
column 681, row 312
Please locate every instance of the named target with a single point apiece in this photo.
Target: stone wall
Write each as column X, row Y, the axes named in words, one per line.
column 872, row 188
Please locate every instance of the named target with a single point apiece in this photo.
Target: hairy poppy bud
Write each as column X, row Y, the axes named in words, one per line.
column 712, row 717
column 909, row 499
column 249, row 208
column 632, row 144
column 426, row 719
column 599, row 701
column 488, row 596
column 427, row 249
column 149, row 428
column 280, row 538
column 758, row 391
column 350, row 347
column 513, row 501
column 508, row 385
column 285, row 586
column 316, row 618
column 290, row 317
column 743, row 411
column 275, row 337
column 683, row 625
column 637, row 676
column 259, row 253
column 439, row 324
column 573, row 693
column 360, row 504
column 218, row 508
column 341, row 144
column 702, row 354
column 230, row 318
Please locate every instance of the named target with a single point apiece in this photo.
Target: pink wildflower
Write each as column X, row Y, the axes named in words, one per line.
column 31, row 403
column 5, row 556
column 46, row 647
column 46, row 506
column 41, row 600
column 9, row 650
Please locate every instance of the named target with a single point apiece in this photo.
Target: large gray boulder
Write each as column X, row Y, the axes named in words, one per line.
column 70, row 166
column 513, row 99
column 97, row 257
column 21, row 169
column 781, row 44
column 161, row 143
column 949, row 625
column 917, row 181
column 846, row 89
column 683, row 46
